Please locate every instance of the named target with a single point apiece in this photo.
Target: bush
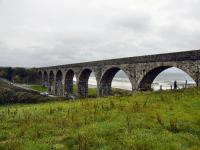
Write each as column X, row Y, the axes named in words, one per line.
column 10, row 94
column 24, row 97
column 7, row 96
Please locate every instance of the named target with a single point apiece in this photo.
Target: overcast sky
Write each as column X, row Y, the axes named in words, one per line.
column 51, row 32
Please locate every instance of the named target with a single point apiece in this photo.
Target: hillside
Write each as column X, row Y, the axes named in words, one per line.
column 11, row 94
column 164, row 120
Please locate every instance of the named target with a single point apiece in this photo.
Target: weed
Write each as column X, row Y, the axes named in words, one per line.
column 159, row 119
column 173, row 125
column 136, row 107
column 112, row 105
column 82, row 142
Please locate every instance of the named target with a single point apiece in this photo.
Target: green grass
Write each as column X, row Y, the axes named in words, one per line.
column 38, row 88
column 167, row 120
column 91, row 91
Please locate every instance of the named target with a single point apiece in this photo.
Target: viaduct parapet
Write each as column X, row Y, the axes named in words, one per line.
column 141, row 71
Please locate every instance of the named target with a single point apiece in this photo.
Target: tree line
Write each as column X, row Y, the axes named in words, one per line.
column 19, row 75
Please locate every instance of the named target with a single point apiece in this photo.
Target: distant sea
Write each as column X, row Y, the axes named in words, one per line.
column 164, row 80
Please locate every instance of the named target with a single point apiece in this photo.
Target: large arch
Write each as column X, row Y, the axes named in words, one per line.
column 45, row 82
column 106, row 81
column 39, row 73
column 40, row 77
column 51, row 82
column 58, row 86
column 83, row 82
column 147, row 80
column 69, row 82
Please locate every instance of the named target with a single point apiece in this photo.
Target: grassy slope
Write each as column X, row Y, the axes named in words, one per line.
column 12, row 94
column 161, row 120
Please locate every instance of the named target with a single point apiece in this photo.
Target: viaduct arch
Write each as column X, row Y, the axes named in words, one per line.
column 68, row 83
column 83, row 82
column 141, row 71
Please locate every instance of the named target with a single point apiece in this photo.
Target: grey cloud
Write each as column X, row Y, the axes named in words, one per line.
column 138, row 22
column 68, row 31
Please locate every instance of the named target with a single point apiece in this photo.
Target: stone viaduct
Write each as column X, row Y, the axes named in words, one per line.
column 141, row 71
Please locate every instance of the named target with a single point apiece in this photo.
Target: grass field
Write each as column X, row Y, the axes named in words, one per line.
column 167, row 120
column 38, row 88
column 92, row 91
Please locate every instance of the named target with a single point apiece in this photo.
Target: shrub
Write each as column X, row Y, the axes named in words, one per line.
column 173, row 125
column 7, row 96
column 24, row 97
